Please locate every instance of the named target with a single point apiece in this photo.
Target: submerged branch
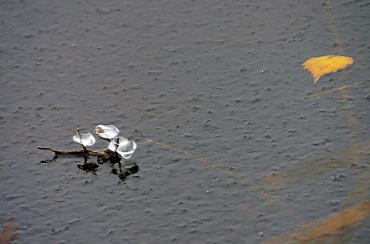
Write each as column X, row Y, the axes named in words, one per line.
column 86, row 152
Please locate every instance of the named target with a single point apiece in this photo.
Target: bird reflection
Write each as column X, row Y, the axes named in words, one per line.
column 88, row 166
column 122, row 170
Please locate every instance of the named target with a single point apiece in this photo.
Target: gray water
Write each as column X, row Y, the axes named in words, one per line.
column 218, row 89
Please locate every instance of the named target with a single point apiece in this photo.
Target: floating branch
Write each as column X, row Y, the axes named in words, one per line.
column 86, row 152
column 117, row 145
column 118, row 148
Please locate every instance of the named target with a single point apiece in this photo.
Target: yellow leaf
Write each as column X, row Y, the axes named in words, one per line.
column 323, row 65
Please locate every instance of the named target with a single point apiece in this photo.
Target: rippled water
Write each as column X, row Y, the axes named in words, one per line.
column 239, row 145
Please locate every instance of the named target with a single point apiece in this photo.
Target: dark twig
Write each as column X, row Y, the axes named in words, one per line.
column 86, row 152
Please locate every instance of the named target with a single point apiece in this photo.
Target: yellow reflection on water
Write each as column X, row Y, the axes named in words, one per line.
column 324, row 228
column 353, row 155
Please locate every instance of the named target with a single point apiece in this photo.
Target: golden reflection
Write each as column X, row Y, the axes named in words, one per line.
column 330, row 225
column 354, row 154
column 339, row 88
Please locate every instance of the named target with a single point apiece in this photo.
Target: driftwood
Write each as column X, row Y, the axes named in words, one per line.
column 124, row 169
column 83, row 152
column 121, row 169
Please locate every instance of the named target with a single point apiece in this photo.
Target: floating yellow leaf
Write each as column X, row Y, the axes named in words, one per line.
column 323, row 65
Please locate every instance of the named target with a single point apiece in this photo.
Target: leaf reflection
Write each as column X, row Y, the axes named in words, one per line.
column 352, row 154
column 330, row 225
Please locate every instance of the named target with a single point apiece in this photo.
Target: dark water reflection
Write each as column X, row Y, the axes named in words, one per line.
column 118, row 168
